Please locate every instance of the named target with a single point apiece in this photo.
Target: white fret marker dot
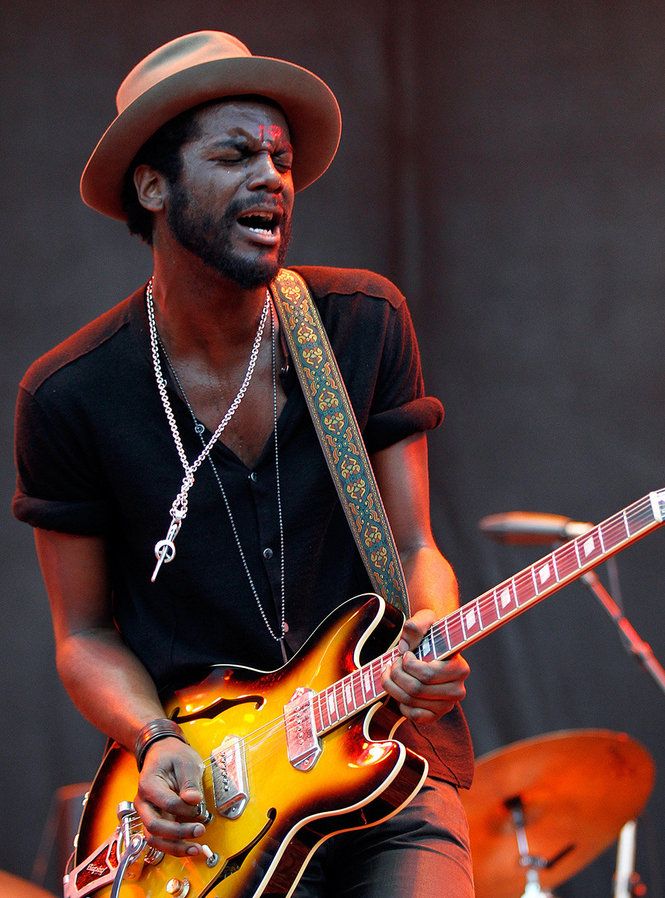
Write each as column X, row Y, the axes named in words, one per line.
column 470, row 618
column 504, row 595
column 544, row 573
column 588, row 546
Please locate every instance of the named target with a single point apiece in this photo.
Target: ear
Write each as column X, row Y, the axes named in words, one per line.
column 151, row 187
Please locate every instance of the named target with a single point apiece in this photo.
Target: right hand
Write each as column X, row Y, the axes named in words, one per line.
column 170, row 797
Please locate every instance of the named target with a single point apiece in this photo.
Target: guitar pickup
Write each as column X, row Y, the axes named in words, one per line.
column 229, row 777
column 302, row 740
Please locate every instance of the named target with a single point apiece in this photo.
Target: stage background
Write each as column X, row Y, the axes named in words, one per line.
column 504, row 163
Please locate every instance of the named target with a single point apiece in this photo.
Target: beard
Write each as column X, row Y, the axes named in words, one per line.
column 208, row 237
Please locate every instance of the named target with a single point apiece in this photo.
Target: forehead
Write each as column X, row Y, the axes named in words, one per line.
column 255, row 117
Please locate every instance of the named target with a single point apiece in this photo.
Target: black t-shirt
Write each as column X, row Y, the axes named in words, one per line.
column 95, row 456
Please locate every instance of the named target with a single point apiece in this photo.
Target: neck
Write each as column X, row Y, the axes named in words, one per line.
column 199, row 311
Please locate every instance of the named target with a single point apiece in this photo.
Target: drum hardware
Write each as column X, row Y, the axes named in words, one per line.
column 570, row 791
column 627, row 883
column 532, row 863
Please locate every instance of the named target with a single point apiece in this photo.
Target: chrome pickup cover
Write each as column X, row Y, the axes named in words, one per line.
column 229, row 777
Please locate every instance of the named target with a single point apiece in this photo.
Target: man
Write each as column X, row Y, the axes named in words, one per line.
column 169, row 441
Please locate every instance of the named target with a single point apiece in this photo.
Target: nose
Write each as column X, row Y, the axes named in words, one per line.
column 264, row 174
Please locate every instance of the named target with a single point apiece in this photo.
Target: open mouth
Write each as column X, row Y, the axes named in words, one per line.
column 261, row 223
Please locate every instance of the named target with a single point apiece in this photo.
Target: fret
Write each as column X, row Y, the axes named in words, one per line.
column 437, row 637
column 612, row 534
column 640, row 517
column 319, row 707
column 339, row 694
column 566, row 561
column 488, row 610
column 546, row 574
column 624, row 518
column 589, row 547
column 535, row 582
column 555, row 567
column 437, row 640
column 496, row 604
column 600, row 537
column 455, row 630
column 524, row 588
column 368, row 684
column 347, row 691
column 470, row 614
column 426, row 647
column 358, row 692
column 333, row 707
column 506, row 598
column 445, row 637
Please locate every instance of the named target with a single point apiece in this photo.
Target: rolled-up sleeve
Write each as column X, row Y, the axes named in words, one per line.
column 57, row 487
column 400, row 407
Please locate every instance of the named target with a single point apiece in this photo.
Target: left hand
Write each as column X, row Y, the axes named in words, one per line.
column 424, row 690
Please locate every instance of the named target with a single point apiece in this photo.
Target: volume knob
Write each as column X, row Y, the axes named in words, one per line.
column 178, row 887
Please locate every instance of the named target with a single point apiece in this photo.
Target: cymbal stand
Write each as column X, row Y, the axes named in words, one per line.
column 634, row 644
column 627, row 883
column 531, row 862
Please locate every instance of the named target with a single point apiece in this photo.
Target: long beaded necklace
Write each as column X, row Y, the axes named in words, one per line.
column 165, row 549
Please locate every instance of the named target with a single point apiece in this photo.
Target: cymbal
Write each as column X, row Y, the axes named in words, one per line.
column 13, row 887
column 577, row 789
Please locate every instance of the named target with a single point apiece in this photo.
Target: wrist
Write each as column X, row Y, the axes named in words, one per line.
column 160, row 728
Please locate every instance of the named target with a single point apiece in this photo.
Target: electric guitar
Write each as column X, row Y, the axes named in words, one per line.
column 295, row 755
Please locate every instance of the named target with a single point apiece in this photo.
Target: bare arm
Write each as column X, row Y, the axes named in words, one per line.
column 111, row 687
column 425, row 691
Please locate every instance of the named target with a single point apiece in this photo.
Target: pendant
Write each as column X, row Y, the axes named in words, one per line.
column 285, row 657
column 165, row 548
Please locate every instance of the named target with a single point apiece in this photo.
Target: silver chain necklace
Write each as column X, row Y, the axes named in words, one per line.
column 165, row 548
column 199, row 428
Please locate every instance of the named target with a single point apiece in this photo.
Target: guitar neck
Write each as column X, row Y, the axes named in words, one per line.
column 491, row 610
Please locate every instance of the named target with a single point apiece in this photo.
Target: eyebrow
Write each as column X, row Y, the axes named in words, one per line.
column 244, row 139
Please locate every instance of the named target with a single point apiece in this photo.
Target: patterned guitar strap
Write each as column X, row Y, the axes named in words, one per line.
column 338, row 432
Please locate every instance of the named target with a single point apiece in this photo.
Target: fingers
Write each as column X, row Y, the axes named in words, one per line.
column 414, row 629
column 425, row 690
column 170, row 798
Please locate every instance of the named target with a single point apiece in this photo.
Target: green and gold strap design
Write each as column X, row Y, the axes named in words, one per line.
column 338, row 432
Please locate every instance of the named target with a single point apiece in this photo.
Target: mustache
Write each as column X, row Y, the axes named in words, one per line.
column 265, row 201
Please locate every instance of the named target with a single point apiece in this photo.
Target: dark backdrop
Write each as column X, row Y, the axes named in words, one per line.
column 505, row 164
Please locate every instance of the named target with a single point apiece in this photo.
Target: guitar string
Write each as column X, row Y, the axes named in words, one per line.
column 377, row 665
column 486, row 600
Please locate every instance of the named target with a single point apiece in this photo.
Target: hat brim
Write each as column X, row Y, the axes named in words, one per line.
column 308, row 103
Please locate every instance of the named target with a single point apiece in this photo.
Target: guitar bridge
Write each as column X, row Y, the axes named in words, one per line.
column 302, row 740
column 229, row 777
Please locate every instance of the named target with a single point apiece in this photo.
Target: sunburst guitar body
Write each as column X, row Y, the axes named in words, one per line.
column 283, row 771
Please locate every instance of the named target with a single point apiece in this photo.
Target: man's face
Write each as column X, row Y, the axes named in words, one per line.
column 232, row 202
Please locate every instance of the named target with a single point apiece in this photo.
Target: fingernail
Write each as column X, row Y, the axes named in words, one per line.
column 198, row 830
column 403, row 646
column 193, row 849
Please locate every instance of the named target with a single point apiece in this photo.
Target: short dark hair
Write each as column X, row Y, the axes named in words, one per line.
column 161, row 152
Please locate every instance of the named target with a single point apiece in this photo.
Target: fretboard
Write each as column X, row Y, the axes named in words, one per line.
column 489, row 611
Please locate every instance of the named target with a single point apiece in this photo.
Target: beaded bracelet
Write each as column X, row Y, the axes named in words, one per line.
column 161, row 728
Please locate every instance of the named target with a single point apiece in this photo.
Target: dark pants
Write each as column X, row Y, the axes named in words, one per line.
column 422, row 852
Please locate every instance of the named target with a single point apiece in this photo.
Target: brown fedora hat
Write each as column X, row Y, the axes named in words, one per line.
column 194, row 69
